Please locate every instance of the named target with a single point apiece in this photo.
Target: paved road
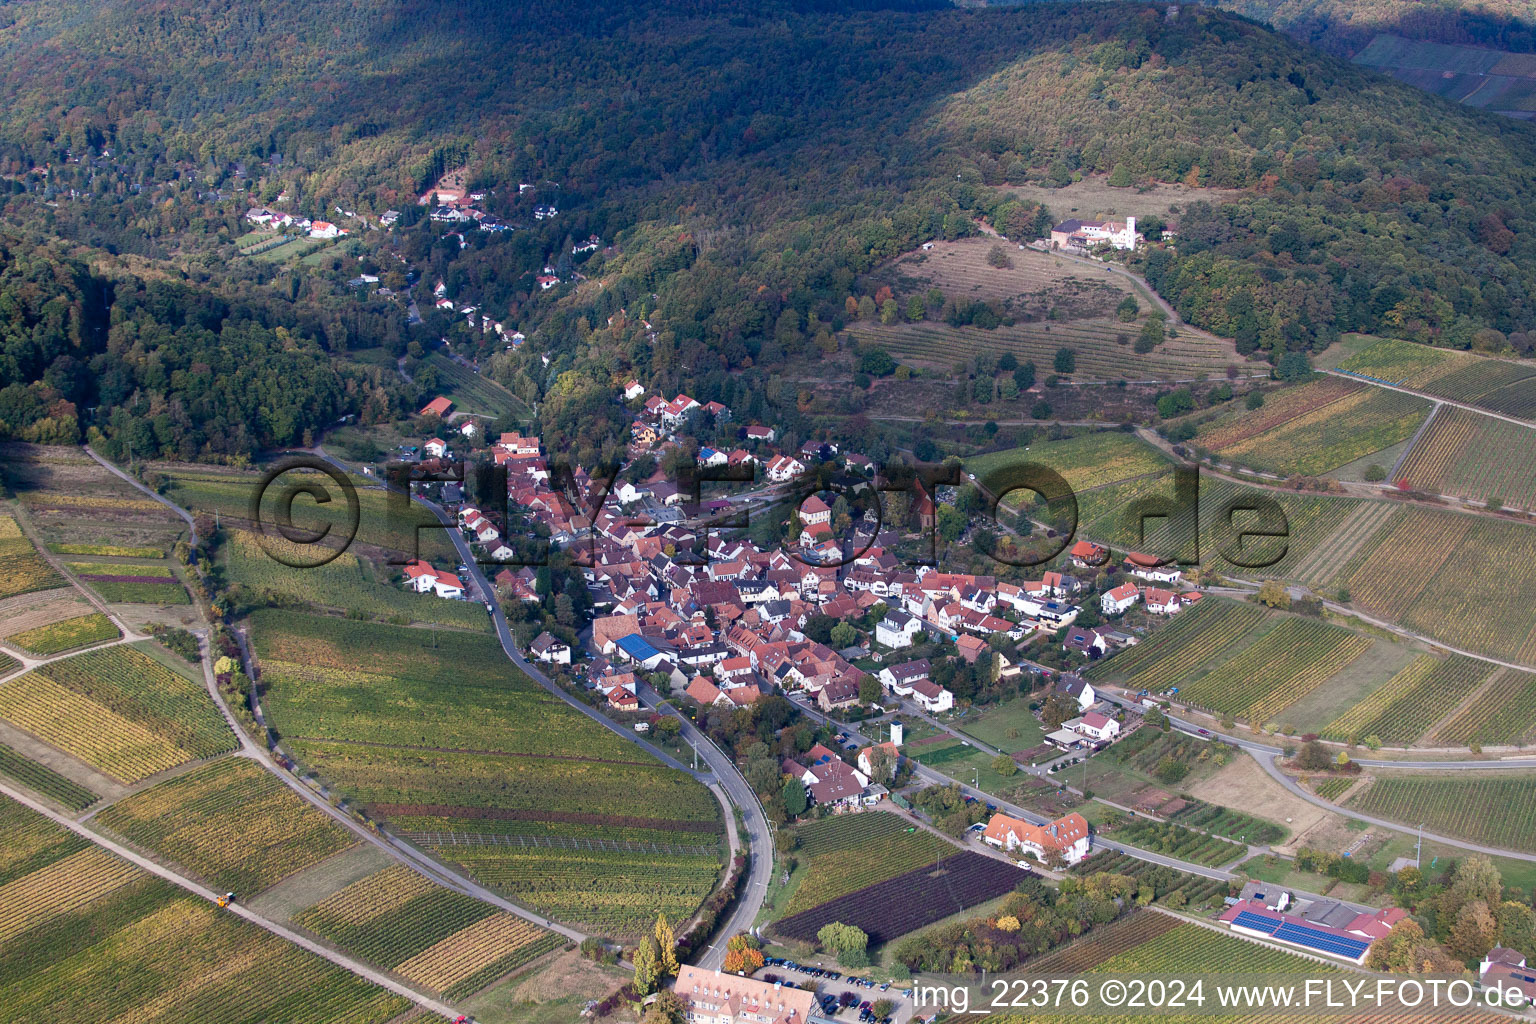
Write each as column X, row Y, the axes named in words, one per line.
column 339, row 959
column 396, row 848
column 1430, row 398
column 723, row 772
column 183, row 513
column 1266, row 755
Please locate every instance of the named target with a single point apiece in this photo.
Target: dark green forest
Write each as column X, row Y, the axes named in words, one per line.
column 750, row 161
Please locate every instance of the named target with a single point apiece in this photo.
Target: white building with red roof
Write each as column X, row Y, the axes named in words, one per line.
column 1098, row 726
column 1115, row 601
column 1162, row 602
column 712, row 997
column 1067, row 837
column 422, row 578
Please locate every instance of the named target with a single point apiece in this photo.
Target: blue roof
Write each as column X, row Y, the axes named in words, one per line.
column 1257, row 922
column 1323, row 941
column 637, row 647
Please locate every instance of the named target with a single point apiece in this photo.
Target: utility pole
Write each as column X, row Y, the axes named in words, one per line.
column 1418, row 848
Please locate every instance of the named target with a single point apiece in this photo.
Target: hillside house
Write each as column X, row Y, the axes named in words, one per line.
column 1095, row 726
column 438, row 407
column 422, row 578
column 1086, row 554
column 1115, row 601
column 1162, row 602
column 633, row 390
column 782, row 468
column 1080, row 235
column 932, row 697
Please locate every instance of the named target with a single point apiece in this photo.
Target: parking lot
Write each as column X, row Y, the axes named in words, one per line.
column 843, row 998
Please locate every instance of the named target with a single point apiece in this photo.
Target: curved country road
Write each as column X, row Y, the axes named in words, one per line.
column 723, row 772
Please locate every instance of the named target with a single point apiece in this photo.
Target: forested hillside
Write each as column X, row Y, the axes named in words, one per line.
column 750, row 160
column 1344, row 26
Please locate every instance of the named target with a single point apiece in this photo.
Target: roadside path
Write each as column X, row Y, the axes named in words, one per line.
column 144, row 863
column 1373, row 382
column 723, row 771
column 183, row 513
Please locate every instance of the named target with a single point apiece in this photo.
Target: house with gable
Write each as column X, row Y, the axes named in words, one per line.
column 1066, row 837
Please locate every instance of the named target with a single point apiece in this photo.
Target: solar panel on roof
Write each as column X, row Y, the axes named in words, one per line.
column 1257, row 922
column 1312, row 938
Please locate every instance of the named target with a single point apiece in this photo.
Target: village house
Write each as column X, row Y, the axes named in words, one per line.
column 842, row 692
column 898, row 629
column 1149, row 568
column 438, row 407
column 1504, row 968
column 1162, row 602
column 422, row 578
column 436, row 448
column 1095, row 726
column 547, row 648
column 889, row 746
column 932, row 697
column 1066, row 838
column 1086, row 554
column 633, row 390
column 828, row 780
column 1079, row 235
column 1079, row 689
column 1115, row 601
column 782, row 468
column 759, row 433
column 711, row 997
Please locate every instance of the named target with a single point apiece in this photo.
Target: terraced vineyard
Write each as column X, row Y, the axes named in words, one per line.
column 1446, row 576
column 1496, row 384
column 118, row 710
column 454, row 741
column 106, row 550
column 473, row 393
column 131, row 582
column 611, row 893
column 382, row 522
column 1404, row 708
column 1100, row 355
column 1503, row 714
column 347, row 582
column 437, row 938
column 1472, row 456
column 22, row 569
column 1280, row 668
column 1086, row 462
column 1279, row 408
column 1103, row 942
column 1194, row 637
column 1497, row 811
column 1310, row 520
column 65, row 635
column 44, row 780
column 233, row 823
column 871, row 853
column 86, row 937
column 1324, row 432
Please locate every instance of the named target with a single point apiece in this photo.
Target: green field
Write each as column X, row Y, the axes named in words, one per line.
column 476, row 394
column 438, row 938
column 1326, row 428
column 1281, row 667
column 1504, row 713
column 1473, row 456
column 1495, row 810
column 1175, row 841
column 453, row 739
column 1193, row 639
column 1411, row 701
column 231, row 822
column 1009, row 726
column 65, row 635
column 1500, row 385
column 44, row 780
column 89, row 938
column 1088, row 461
column 848, row 852
column 382, row 522
column 22, row 569
column 348, row 582
column 1447, row 576
column 118, row 710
